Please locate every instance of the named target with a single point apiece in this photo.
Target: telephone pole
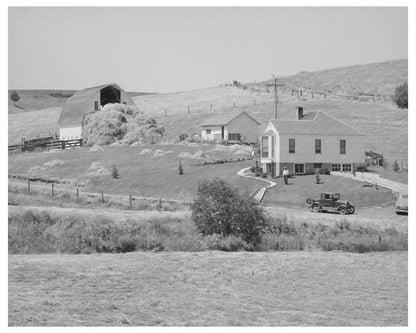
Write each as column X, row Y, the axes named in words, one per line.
column 276, row 98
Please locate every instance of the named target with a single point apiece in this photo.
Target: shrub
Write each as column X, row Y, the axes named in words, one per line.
column 114, row 172
column 395, row 166
column 400, row 96
column 264, row 175
column 220, row 209
column 14, row 96
column 317, row 177
column 361, row 168
column 180, row 168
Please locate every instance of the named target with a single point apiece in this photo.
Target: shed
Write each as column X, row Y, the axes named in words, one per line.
column 231, row 127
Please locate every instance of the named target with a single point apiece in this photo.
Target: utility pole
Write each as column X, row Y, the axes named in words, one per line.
column 276, row 98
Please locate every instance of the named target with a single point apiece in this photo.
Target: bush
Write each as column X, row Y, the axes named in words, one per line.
column 180, row 168
column 220, row 209
column 395, row 166
column 361, row 168
column 114, row 172
column 264, row 175
column 317, row 177
column 400, row 96
column 14, row 96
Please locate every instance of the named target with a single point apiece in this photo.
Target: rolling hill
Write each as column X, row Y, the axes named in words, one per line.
column 375, row 81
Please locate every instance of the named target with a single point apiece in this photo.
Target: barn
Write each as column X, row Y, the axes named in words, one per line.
column 88, row 101
column 231, row 127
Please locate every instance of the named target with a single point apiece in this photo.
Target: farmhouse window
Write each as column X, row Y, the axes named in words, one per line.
column 346, row 167
column 208, row 131
column 317, row 165
column 317, row 146
column 124, row 103
column 342, row 147
column 336, row 167
column 96, row 105
column 291, row 146
column 299, row 168
column 234, row 136
column 265, row 146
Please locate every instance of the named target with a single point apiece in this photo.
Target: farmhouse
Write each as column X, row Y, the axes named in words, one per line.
column 311, row 141
column 231, row 127
column 87, row 101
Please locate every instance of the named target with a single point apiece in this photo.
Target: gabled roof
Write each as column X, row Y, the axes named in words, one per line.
column 314, row 123
column 76, row 107
column 224, row 119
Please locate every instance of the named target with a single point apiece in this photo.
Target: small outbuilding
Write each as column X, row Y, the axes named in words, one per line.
column 230, row 127
column 88, row 101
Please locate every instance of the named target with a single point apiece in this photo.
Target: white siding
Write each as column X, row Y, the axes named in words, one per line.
column 330, row 149
column 215, row 133
column 69, row 133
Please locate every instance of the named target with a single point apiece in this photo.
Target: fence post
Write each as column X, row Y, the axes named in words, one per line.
column 53, row 192
column 211, row 106
column 77, row 194
column 254, row 101
column 188, row 108
column 160, row 204
column 166, row 112
column 130, row 201
column 102, row 196
column 233, row 104
column 28, row 185
column 379, row 239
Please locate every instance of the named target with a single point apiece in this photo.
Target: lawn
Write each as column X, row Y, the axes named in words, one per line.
column 140, row 175
column 302, row 187
column 209, row 289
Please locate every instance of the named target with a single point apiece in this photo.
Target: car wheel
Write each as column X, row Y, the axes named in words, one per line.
column 351, row 210
column 342, row 211
column 316, row 208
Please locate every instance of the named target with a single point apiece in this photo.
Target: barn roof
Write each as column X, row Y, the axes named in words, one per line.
column 77, row 106
column 224, row 119
column 314, row 123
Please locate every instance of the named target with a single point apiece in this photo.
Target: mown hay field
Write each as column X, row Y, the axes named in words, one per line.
column 209, row 289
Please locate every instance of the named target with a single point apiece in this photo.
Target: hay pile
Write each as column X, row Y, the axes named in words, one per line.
column 120, row 122
column 200, row 154
column 53, row 163
column 185, row 154
column 146, row 152
column 36, row 169
column 160, row 152
column 96, row 148
column 96, row 165
column 99, row 170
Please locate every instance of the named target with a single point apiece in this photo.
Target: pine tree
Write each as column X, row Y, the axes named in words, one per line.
column 180, row 168
column 114, row 172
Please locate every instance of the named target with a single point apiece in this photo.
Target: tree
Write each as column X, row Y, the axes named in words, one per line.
column 400, row 96
column 317, row 177
column 114, row 172
column 180, row 168
column 220, row 209
column 14, row 96
column 395, row 166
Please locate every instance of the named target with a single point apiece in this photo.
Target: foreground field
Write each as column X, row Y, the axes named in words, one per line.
column 209, row 289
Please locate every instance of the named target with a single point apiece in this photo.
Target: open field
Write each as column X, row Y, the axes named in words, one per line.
column 379, row 79
column 146, row 175
column 209, row 289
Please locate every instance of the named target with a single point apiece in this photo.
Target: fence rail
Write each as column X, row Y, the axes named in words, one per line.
column 45, row 143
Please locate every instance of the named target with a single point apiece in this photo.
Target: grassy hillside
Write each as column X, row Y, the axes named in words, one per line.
column 209, row 289
column 375, row 79
column 32, row 100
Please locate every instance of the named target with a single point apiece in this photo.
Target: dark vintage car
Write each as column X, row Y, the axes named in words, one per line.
column 331, row 202
column 402, row 206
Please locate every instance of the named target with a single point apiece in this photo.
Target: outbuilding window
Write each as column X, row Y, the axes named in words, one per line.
column 208, row 131
column 96, row 105
column 317, row 146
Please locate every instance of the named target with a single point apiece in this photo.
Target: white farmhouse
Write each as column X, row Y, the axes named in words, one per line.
column 231, row 127
column 311, row 141
column 84, row 102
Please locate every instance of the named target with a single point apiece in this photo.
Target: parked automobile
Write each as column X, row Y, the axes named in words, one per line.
column 402, row 205
column 331, row 202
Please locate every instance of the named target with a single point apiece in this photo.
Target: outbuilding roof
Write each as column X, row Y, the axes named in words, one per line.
column 314, row 123
column 224, row 119
column 77, row 106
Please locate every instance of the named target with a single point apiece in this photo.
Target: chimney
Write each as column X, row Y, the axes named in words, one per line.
column 300, row 112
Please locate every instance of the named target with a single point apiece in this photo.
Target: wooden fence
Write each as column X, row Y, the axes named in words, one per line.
column 45, row 143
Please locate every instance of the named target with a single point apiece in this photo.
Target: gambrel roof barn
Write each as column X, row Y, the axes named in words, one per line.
column 88, row 101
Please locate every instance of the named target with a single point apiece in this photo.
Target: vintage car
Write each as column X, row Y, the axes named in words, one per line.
column 402, row 205
column 330, row 202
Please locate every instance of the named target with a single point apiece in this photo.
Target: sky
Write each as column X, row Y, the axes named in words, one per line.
column 175, row 49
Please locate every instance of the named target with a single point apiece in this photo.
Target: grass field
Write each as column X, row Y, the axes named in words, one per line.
column 209, row 289
column 146, row 175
